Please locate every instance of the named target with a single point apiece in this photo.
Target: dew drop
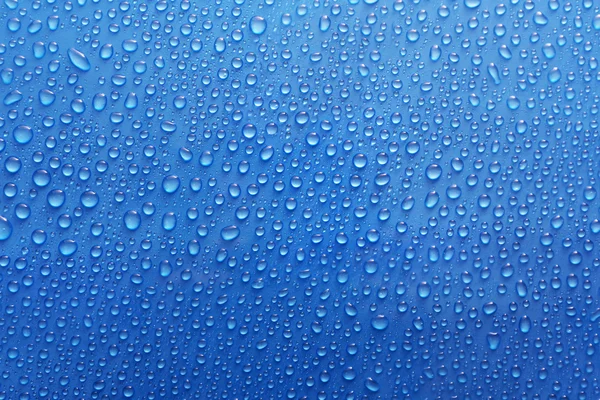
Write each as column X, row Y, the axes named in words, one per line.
column 79, row 60
column 230, row 233
column 6, row 228
column 258, row 25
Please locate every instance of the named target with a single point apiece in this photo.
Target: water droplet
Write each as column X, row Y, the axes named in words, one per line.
column 68, row 247
column 23, row 134
column 230, row 232
column 472, row 3
column 171, row 183
column 525, row 324
column 12, row 98
column 380, row 322
column 423, row 290
column 132, row 220
column 540, row 19
column 79, row 60
column 6, row 228
column 372, row 385
column 493, row 340
column 258, row 25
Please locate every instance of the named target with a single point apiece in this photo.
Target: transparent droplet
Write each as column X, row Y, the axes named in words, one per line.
column 79, row 60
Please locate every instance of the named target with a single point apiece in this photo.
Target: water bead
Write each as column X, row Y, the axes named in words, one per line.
column 56, row 198
column 168, row 126
column 525, row 324
column 39, row 237
column 6, row 228
column 220, row 45
column 78, row 59
column 324, row 23
column 68, row 247
column 129, row 45
column 99, row 101
column 89, row 199
column 380, row 322
column 132, row 220
column 493, row 340
column 258, row 25
column 360, row 161
column 373, row 193
column 12, row 164
column 424, row 290
column 106, row 51
column 171, row 184
column 453, row 192
column 46, row 97
column 372, row 385
column 23, row 134
column 169, row 221
column 554, row 75
column 540, row 19
column 513, row 102
column 433, row 172
column 165, row 268
column 179, row 102
column 131, row 101
column 12, row 98
column 206, row 159
column 230, row 232
column 349, row 374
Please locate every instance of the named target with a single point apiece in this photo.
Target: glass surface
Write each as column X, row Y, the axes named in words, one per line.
column 353, row 199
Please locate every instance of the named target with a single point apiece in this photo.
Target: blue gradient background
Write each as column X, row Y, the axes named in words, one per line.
column 285, row 200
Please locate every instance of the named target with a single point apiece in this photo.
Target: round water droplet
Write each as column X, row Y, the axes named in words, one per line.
column 525, row 324
column 596, row 22
column 99, row 102
column 23, row 134
column 169, row 221
column 489, row 308
column 433, row 172
column 360, row 160
column 56, row 198
column 540, row 19
column 349, row 374
column 324, row 23
column 380, row 322
column 372, row 385
column 67, row 247
column 206, row 158
column 89, row 199
column 554, row 75
column 171, row 184
column 230, row 232
column 258, row 25
column 423, row 290
column 106, row 51
column 46, row 97
column 132, row 220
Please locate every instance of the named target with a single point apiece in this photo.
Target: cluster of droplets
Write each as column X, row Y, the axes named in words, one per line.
column 331, row 200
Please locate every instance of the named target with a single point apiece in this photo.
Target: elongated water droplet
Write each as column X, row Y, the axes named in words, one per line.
column 79, row 60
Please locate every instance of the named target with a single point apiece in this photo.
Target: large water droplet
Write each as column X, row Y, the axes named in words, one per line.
column 258, row 25
column 6, row 228
column 230, row 232
column 79, row 60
